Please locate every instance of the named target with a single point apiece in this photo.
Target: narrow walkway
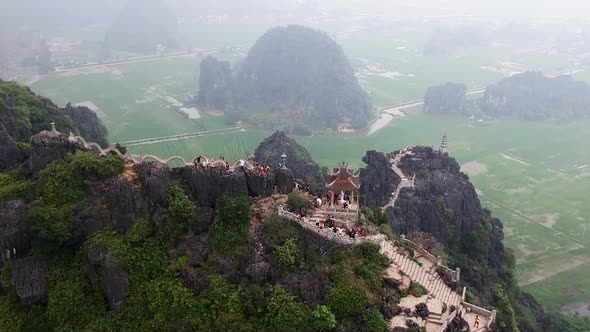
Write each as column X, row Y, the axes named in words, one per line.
column 405, row 181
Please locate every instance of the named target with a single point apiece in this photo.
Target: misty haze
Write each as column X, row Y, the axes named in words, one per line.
column 295, row 165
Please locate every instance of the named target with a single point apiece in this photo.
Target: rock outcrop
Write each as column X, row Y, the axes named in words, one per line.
column 114, row 280
column 10, row 155
column 14, row 239
column 206, row 186
column 30, row 281
column 306, row 286
column 155, row 180
column 87, row 124
column 115, row 284
column 124, row 202
column 298, row 160
column 378, row 179
column 48, row 146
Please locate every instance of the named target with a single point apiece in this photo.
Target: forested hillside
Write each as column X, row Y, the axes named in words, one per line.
column 22, row 114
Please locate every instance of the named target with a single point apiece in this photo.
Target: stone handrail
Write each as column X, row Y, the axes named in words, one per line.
column 490, row 315
column 449, row 319
column 281, row 211
column 92, row 146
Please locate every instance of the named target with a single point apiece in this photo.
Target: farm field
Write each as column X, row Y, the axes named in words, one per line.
column 533, row 176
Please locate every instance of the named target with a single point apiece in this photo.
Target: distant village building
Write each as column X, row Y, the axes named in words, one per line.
column 344, row 126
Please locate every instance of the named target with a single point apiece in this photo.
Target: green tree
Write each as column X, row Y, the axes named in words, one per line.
column 477, row 242
column 178, row 214
column 375, row 322
column 323, row 318
column 231, row 224
column 347, row 298
column 284, row 313
column 121, row 148
column 287, row 253
column 54, row 224
column 298, row 203
column 505, row 317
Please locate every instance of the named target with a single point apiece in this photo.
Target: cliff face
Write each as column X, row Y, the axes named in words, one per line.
column 443, row 197
column 299, row 161
column 445, row 204
column 378, row 179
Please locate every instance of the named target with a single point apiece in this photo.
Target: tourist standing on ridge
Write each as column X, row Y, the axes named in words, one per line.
column 242, row 163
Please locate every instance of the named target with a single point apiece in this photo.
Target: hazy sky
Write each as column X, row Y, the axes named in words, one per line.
column 501, row 8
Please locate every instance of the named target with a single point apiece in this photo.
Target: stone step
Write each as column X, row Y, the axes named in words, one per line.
column 401, row 262
column 430, row 285
column 416, row 272
column 410, row 269
column 420, row 276
column 433, row 314
column 438, row 321
column 409, row 266
column 405, row 265
column 437, row 289
column 446, row 293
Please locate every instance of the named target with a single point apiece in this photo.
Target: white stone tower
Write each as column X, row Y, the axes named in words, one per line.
column 444, row 145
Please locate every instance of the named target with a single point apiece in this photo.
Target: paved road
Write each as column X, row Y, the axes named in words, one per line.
column 147, row 58
column 152, row 140
column 387, row 114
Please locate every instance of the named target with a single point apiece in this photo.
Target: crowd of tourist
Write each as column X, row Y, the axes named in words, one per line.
column 330, row 223
column 340, row 199
column 221, row 165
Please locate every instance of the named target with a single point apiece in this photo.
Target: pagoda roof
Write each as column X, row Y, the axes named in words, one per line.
column 343, row 179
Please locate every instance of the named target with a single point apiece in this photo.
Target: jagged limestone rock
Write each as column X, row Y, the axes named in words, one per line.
column 298, row 160
column 48, row 146
column 10, row 155
column 30, row 281
column 14, row 239
column 378, row 179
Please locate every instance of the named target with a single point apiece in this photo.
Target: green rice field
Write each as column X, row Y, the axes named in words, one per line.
column 533, row 176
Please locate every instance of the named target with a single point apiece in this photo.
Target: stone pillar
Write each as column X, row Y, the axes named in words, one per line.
column 331, row 197
column 457, row 274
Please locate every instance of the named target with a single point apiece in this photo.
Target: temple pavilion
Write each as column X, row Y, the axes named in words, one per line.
column 342, row 181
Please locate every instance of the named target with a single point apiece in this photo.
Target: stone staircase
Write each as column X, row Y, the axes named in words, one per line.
column 405, row 181
column 424, row 275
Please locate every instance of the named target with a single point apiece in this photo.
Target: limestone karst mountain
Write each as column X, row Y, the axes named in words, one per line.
column 293, row 75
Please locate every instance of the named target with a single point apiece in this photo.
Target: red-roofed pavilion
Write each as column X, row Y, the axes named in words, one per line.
column 343, row 179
